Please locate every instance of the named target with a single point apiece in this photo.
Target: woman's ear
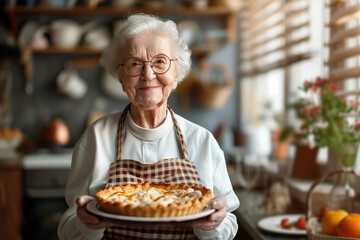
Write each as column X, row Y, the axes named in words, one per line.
column 176, row 77
column 121, row 82
column 175, row 84
column 120, row 78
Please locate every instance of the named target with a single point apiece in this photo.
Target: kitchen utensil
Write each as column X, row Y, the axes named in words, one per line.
column 67, row 33
column 27, row 33
column 98, row 38
column 272, row 224
column 71, row 84
column 55, row 132
column 39, row 40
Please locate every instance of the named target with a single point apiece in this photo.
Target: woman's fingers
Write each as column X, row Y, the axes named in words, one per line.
column 89, row 220
column 83, row 200
column 215, row 219
column 219, row 204
column 99, row 225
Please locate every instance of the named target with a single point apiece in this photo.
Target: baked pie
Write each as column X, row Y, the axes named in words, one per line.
column 153, row 199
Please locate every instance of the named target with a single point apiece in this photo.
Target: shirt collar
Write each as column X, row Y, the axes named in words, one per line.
column 149, row 134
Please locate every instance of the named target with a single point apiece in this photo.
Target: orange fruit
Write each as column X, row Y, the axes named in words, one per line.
column 349, row 226
column 331, row 220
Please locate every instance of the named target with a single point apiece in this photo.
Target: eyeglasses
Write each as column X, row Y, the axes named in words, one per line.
column 135, row 66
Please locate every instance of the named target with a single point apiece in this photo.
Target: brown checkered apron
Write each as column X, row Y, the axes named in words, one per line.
column 172, row 170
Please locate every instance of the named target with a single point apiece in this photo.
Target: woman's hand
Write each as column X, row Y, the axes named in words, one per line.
column 214, row 220
column 89, row 220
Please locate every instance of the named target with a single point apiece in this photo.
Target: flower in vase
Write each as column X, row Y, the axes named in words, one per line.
column 326, row 116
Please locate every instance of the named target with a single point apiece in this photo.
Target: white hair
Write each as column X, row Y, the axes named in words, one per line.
column 136, row 24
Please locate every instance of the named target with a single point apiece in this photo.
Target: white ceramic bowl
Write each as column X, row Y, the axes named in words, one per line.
column 8, row 145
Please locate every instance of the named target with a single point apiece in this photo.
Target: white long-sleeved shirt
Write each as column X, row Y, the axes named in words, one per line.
column 96, row 150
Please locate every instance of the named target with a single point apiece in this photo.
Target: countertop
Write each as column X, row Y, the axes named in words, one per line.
column 248, row 216
column 45, row 159
column 40, row 159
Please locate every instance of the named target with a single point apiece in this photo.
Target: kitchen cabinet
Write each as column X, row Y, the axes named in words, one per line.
column 42, row 66
column 11, row 203
column 215, row 11
column 200, row 52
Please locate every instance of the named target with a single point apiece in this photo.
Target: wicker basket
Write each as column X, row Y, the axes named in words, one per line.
column 214, row 94
column 313, row 223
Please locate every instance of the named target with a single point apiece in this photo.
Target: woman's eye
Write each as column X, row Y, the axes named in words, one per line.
column 160, row 61
column 135, row 64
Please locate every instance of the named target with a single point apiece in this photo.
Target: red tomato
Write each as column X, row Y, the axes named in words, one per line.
column 301, row 223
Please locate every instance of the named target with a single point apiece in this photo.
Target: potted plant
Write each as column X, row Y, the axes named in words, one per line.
column 325, row 117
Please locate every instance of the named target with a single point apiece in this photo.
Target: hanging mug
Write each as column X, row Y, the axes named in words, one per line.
column 71, row 84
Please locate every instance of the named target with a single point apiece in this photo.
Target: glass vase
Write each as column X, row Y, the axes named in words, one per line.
column 342, row 195
column 347, row 157
column 347, row 154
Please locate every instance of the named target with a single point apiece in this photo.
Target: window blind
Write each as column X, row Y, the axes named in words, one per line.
column 343, row 45
column 273, row 34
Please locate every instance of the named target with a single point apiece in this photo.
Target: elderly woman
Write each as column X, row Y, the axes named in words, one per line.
column 149, row 59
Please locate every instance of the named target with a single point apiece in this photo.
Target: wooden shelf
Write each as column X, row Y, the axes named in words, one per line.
column 229, row 14
column 196, row 51
column 72, row 50
column 200, row 52
column 218, row 10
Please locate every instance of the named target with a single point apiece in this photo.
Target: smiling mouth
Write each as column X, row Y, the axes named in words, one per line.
column 148, row 87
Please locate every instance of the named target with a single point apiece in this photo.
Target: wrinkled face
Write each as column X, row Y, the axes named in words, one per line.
column 149, row 90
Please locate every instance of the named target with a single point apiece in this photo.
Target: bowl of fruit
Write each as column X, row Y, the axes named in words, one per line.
column 334, row 223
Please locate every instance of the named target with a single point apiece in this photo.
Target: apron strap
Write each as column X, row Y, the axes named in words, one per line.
column 179, row 134
column 121, row 134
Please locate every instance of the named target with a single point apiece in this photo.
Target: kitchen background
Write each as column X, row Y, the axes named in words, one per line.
column 33, row 62
column 246, row 71
column 30, row 112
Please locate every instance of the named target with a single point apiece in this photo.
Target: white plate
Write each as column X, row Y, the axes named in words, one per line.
column 27, row 33
column 273, row 224
column 94, row 209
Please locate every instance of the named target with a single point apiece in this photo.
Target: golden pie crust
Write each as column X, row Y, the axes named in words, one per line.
column 180, row 204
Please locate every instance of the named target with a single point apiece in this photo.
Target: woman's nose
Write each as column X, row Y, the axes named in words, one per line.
column 148, row 72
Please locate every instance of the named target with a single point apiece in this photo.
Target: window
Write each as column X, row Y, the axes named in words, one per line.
column 281, row 45
column 343, row 46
